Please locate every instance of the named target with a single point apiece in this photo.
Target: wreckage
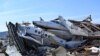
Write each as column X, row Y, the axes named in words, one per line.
column 45, row 35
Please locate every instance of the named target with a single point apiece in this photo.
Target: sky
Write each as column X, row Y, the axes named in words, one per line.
column 29, row 10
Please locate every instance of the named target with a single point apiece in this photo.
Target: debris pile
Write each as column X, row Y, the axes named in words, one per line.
column 54, row 37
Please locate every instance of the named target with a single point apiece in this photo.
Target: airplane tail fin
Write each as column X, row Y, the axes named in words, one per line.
column 41, row 19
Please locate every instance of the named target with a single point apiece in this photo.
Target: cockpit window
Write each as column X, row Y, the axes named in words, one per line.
column 39, row 32
column 28, row 27
column 45, row 35
column 61, row 41
column 35, row 31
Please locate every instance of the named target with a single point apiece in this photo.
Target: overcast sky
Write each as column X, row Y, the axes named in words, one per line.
column 29, row 10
